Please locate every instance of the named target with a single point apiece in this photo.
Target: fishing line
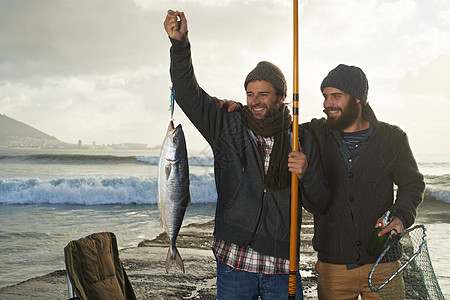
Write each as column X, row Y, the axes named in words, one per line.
column 172, row 103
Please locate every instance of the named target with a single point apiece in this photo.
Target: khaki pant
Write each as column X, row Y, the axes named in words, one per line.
column 336, row 282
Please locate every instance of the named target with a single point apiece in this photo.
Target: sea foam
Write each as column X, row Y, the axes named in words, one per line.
column 97, row 190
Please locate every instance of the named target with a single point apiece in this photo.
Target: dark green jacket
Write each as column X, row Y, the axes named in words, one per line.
column 246, row 212
column 363, row 194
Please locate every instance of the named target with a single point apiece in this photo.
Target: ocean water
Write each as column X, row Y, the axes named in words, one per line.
column 50, row 197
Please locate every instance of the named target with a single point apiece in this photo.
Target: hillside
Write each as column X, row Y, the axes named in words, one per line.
column 10, row 128
column 17, row 134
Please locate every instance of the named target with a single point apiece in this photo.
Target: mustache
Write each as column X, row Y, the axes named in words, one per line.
column 259, row 105
column 328, row 109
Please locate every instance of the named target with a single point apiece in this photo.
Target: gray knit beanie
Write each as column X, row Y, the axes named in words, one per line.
column 268, row 72
column 349, row 79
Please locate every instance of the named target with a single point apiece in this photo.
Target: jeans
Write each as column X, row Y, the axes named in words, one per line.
column 235, row 284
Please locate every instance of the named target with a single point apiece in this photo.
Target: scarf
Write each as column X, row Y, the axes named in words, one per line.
column 276, row 125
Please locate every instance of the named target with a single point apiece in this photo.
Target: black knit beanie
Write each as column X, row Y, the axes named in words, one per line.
column 349, row 79
column 268, row 72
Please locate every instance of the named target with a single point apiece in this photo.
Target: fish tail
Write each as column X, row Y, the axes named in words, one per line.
column 174, row 255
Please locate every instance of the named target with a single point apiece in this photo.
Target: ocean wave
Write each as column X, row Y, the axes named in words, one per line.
column 438, row 186
column 435, row 207
column 442, row 179
column 67, row 158
column 95, row 159
column 135, row 190
column 193, row 160
column 440, row 195
column 96, row 190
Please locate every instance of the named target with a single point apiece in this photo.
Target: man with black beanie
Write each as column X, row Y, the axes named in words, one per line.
column 363, row 159
column 252, row 161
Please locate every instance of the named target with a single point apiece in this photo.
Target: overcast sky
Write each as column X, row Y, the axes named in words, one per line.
column 98, row 70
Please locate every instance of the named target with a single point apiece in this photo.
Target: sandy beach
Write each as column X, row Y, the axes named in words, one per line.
column 145, row 268
column 93, row 191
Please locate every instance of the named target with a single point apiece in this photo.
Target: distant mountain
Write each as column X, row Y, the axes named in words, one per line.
column 17, row 134
column 10, row 128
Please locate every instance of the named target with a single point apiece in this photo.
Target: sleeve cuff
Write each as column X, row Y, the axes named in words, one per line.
column 176, row 44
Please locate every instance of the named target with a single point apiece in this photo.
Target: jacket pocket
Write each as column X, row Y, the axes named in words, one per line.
column 326, row 236
column 234, row 190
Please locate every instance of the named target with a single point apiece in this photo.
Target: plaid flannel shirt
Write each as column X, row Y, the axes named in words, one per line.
column 244, row 258
column 265, row 144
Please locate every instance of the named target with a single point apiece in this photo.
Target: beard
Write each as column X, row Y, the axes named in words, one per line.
column 348, row 116
column 271, row 109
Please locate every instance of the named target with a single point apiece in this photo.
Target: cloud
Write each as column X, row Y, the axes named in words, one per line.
column 98, row 70
column 109, row 109
column 444, row 18
column 429, row 78
column 70, row 38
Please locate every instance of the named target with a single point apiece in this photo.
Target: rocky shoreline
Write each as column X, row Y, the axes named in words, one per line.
column 145, row 268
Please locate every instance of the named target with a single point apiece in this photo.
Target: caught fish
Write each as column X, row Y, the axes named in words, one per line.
column 173, row 188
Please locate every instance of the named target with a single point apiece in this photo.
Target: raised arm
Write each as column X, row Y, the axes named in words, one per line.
column 201, row 109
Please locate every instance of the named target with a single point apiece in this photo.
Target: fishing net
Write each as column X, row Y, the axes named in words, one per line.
column 404, row 269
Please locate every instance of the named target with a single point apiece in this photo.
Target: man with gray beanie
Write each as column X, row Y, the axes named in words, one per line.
column 363, row 159
column 252, row 161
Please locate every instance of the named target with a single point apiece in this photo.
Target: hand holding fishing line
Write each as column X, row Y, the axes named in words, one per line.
column 175, row 24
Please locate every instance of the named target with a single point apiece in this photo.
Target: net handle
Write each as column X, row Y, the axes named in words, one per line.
column 402, row 266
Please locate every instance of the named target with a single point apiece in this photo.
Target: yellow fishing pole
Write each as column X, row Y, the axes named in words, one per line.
column 294, row 186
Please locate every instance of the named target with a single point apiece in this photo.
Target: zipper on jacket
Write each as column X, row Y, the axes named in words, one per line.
column 261, row 160
column 259, row 219
column 262, row 203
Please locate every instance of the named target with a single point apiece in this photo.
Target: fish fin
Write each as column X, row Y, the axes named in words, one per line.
column 168, row 170
column 174, row 255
